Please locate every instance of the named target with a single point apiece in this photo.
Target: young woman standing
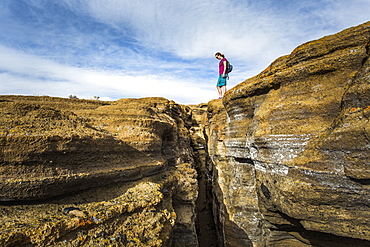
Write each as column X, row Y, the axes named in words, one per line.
column 222, row 69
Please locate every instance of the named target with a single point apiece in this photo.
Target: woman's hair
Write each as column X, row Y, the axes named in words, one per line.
column 219, row 54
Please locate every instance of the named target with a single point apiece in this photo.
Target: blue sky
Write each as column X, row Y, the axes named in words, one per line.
column 165, row 48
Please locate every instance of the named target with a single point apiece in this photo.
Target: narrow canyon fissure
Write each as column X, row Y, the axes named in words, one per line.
column 205, row 220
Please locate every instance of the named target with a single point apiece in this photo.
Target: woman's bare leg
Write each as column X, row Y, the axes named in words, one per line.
column 223, row 91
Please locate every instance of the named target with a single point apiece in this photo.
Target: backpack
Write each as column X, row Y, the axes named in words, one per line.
column 229, row 67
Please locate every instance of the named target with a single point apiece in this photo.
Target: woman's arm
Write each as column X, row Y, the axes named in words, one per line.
column 225, row 68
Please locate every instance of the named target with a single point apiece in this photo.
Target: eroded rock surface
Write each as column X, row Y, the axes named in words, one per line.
column 47, row 142
column 90, row 173
column 291, row 148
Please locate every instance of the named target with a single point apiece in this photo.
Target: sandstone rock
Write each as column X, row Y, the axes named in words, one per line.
column 90, row 173
column 292, row 163
column 125, row 214
column 54, row 146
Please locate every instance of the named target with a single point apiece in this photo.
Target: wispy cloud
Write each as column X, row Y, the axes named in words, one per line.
column 50, row 78
column 123, row 48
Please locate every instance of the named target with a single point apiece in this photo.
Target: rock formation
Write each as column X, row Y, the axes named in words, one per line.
column 282, row 160
column 291, row 146
column 77, row 172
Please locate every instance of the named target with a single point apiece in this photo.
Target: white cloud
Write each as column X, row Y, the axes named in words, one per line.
column 125, row 48
column 32, row 75
column 192, row 29
column 249, row 31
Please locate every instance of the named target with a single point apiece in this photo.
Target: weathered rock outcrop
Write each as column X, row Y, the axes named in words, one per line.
column 77, row 172
column 47, row 142
column 291, row 148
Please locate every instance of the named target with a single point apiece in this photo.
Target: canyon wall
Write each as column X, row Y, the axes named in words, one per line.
column 291, row 147
column 90, row 173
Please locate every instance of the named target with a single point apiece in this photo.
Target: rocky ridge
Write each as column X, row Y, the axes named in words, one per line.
column 282, row 160
column 291, row 145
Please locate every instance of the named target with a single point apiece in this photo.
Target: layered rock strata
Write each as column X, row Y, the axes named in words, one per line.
column 291, row 147
column 47, row 142
column 79, row 172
